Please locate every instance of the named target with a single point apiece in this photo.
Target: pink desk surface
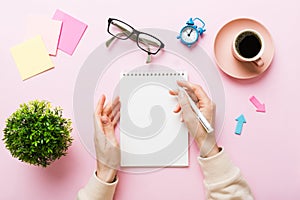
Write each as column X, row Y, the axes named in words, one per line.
column 266, row 152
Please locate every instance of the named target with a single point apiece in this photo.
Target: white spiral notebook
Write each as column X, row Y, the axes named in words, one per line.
column 151, row 134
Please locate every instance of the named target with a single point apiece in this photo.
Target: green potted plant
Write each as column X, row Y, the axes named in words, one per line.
column 37, row 134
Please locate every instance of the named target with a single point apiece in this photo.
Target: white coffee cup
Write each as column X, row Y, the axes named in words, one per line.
column 248, row 46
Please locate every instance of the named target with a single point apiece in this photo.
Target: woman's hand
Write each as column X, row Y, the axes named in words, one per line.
column 205, row 142
column 106, row 145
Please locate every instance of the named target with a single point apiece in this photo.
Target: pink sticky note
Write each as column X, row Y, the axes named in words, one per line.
column 71, row 32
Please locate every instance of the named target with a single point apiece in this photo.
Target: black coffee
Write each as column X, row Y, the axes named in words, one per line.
column 248, row 45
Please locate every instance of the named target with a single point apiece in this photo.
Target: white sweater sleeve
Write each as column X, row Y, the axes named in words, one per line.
column 97, row 190
column 222, row 179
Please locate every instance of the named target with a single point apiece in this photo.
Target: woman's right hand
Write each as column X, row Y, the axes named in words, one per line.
column 206, row 142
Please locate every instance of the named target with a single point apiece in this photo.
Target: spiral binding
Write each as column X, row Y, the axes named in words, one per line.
column 133, row 74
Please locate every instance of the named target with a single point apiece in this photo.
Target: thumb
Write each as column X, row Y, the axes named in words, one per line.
column 97, row 124
column 184, row 102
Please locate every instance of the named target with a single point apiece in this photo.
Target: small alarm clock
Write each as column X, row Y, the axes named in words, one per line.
column 189, row 34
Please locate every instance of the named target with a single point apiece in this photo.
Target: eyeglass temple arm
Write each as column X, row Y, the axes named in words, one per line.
column 108, row 42
column 148, row 57
column 132, row 37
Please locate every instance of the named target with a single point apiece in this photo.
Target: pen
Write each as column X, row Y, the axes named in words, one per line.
column 199, row 114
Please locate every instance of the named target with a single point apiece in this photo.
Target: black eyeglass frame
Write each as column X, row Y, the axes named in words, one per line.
column 137, row 33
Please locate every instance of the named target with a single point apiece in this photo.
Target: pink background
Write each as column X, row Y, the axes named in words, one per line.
column 266, row 152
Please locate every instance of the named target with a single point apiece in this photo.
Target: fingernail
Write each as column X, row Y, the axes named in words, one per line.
column 104, row 120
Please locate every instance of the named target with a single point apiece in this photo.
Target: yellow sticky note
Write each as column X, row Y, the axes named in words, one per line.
column 31, row 57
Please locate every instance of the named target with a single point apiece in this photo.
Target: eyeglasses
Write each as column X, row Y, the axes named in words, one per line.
column 146, row 42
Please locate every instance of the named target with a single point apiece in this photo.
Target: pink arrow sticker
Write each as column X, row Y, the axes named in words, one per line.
column 259, row 106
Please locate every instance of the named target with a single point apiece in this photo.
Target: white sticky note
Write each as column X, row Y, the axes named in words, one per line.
column 31, row 57
column 48, row 28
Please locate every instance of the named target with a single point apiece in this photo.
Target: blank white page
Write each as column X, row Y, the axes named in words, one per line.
column 151, row 134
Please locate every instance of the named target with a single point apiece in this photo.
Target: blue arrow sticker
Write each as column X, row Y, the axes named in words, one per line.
column 239, row 126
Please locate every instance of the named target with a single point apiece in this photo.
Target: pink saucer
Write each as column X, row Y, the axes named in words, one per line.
column 223, row 55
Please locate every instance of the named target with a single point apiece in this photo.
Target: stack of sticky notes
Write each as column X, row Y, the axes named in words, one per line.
column 46, row 35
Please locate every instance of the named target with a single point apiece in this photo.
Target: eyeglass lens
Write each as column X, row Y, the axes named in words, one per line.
column 120, row 29
column 145, row 41
column 148, row 43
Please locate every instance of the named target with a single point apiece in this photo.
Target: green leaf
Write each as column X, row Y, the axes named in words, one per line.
column 37, row 123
